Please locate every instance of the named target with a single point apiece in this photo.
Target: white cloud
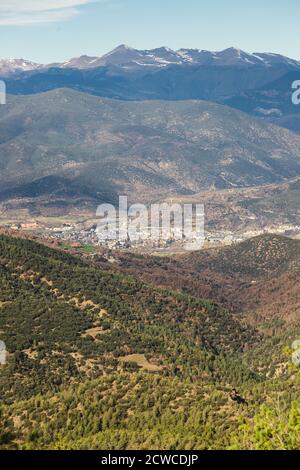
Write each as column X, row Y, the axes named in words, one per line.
column 26, row 12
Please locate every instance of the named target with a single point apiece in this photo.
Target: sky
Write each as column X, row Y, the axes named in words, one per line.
column 48, row 31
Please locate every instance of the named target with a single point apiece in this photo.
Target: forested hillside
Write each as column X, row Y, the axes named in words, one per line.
column 100, row 360
column 259, row 277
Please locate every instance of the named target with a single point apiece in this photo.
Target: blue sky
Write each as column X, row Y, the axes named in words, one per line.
column 55, row 30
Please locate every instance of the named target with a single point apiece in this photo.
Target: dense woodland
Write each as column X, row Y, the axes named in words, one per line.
column 102, row 360
column 259, row 277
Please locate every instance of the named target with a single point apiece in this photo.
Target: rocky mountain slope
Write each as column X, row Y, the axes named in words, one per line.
column 146, row 150
column 11, row 67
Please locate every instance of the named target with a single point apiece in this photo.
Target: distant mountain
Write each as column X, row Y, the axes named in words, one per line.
column 271, row 102
column 258, row 83
column 131, row 59
column 175, row 82
column 9, row 67
column 127, row 59
column 237, row 57
column 81, row 62
column 147, row 150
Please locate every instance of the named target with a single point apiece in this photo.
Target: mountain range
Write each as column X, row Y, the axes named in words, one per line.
column 259, row 83
column 96, row 147
column 132, row 60
column 162, row 57
column 108, row 349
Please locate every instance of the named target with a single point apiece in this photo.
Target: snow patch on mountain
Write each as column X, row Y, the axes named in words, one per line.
column 130, row 59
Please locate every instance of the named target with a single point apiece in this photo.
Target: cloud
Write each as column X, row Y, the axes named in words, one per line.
column 29, row 12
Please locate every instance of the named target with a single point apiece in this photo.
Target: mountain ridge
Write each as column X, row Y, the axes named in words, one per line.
column 155, row 58
column 140, row 148
column 259, row 84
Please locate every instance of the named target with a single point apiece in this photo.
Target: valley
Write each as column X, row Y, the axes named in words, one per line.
column 143, row 344
column 63, row 153
column 231, row 216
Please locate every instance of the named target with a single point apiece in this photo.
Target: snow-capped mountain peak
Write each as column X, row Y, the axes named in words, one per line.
column 128, row 59
column 11, row 66
column 272, row 59
column 131, row 58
